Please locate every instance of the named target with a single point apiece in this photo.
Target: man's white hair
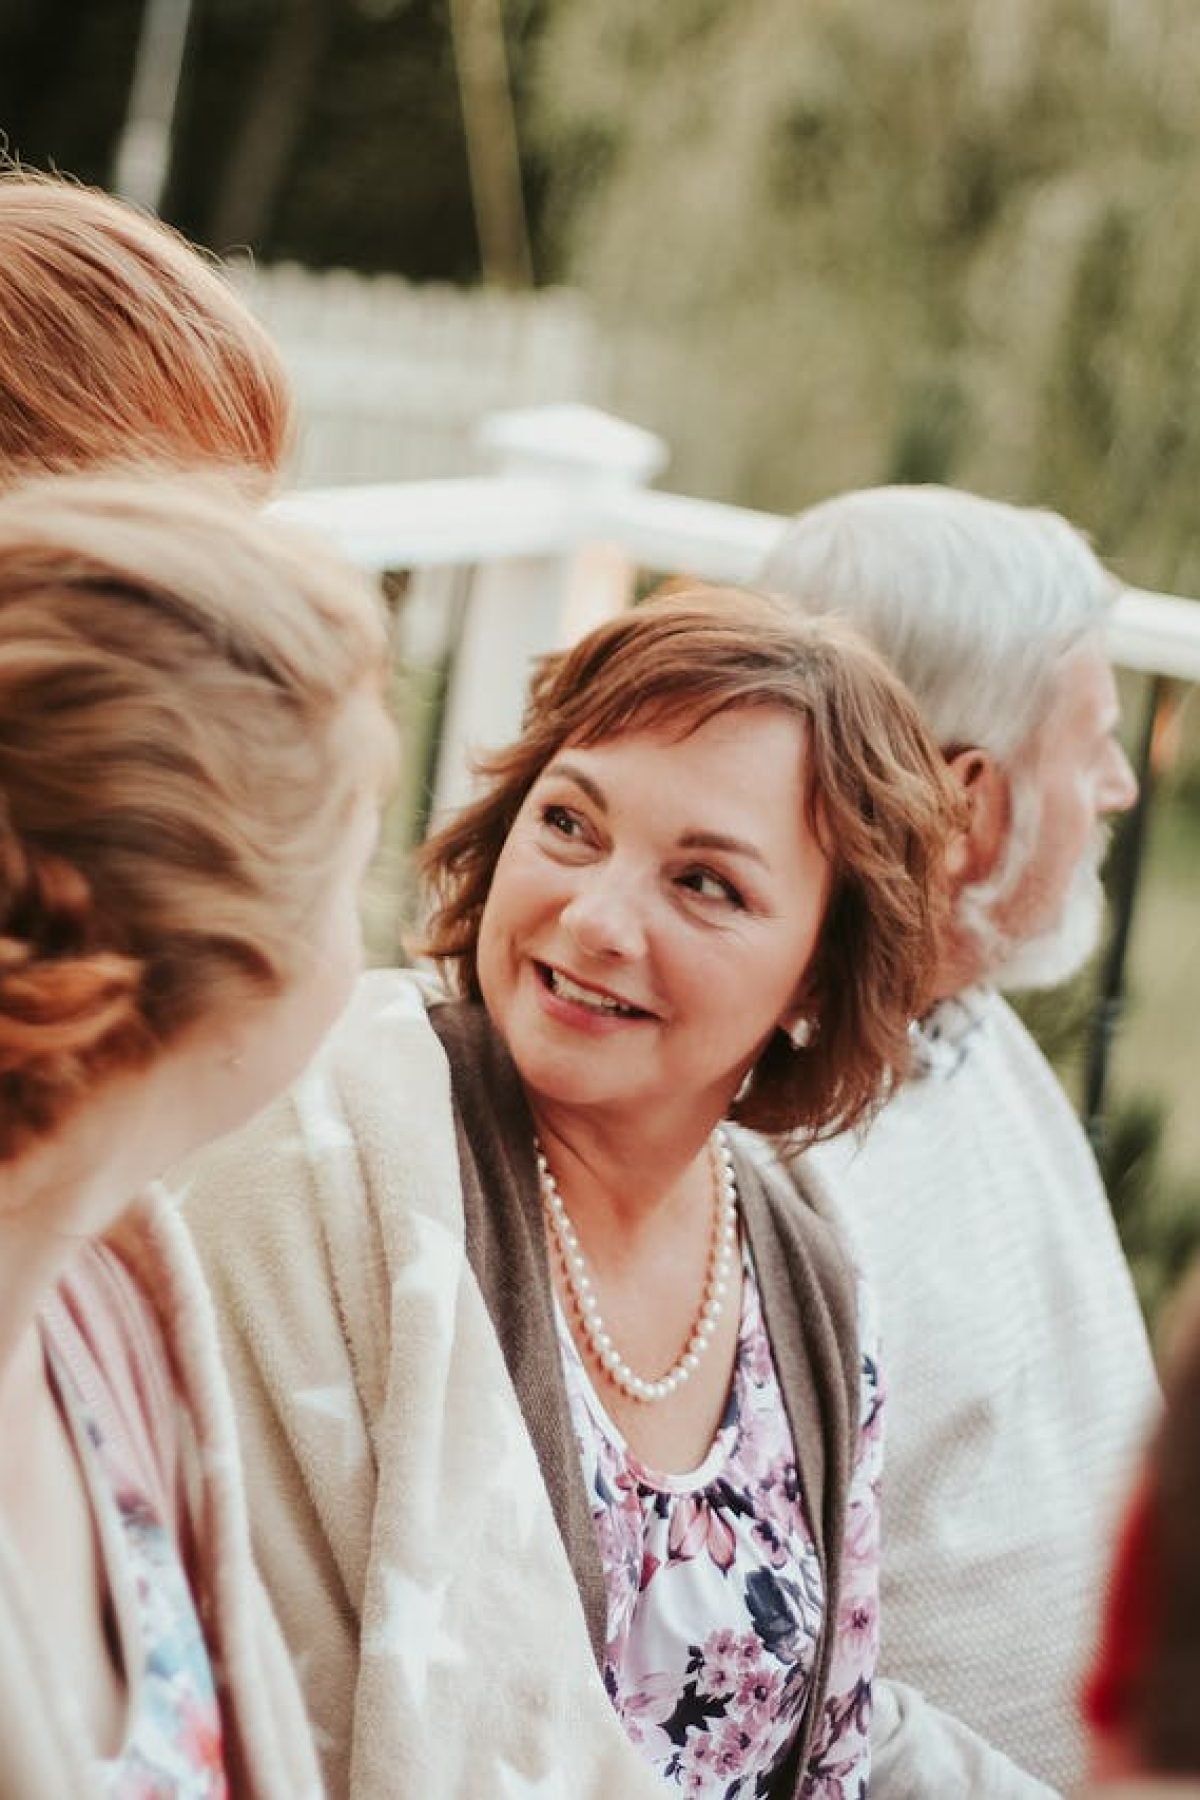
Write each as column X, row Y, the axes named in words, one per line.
column 972, row 601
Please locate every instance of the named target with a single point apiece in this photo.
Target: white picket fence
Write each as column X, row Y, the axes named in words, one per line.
column 393, row 379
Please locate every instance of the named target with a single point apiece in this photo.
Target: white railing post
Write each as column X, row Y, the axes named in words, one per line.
column 523, row 606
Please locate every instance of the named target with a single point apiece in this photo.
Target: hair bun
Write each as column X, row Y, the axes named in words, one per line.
column 64, row 1001
column 58, row 1007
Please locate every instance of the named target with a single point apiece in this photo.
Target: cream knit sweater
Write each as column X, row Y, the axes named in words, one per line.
column 1020, row 1388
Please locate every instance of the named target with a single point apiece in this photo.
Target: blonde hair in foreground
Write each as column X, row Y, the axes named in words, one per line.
column 119, row 342
column 879, row 800
column 190, row 706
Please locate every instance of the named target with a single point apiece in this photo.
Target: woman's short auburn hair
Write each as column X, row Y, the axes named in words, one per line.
column 878, row 798
column 190, row 708
column 121, row 343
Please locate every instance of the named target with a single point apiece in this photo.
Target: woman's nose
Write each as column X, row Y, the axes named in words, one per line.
column 604, row 917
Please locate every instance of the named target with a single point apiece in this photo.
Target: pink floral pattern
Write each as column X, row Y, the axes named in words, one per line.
column 715, row 1595
column 173, row 1748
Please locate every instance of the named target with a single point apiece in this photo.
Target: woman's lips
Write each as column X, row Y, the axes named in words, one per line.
column 599, row 1002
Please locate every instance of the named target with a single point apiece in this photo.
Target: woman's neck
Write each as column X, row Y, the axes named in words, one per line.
column 43, row 1224
column 73, row 1186
column 632, row 1182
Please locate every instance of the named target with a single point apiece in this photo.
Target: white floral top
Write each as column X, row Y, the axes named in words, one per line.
column 715, row 1596
column 173, row 1745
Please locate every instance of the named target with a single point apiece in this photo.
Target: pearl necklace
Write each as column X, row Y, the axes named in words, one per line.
column 712, row 1299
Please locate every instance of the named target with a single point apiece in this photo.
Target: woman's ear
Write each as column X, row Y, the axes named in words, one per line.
column 975, row 851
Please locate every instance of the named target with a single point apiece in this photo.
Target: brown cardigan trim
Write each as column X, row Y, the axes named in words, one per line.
column 808, row 1299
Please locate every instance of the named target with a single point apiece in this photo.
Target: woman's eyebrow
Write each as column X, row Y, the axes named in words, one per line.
column 718, row 840
column 572, row 772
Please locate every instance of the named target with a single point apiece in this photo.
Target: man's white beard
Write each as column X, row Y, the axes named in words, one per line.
column 1053, row 955
column 1060, row 951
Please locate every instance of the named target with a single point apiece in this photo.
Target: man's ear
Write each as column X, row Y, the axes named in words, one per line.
column 974, row 852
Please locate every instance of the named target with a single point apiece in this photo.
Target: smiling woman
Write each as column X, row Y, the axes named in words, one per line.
column 533, row 1253
column 648, row 914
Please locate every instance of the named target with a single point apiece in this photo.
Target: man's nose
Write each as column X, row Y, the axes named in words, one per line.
column 1121, row 784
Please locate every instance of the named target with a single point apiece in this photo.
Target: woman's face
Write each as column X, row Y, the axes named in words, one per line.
column 272, row 1039
column 652, row 915
column 277, row 1037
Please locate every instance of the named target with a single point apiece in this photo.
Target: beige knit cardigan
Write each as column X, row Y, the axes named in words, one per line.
column 400, row 1517
column 437, row 1580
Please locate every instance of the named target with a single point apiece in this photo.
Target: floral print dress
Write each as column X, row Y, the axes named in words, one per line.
column 172, row 1748
column 715, row 1595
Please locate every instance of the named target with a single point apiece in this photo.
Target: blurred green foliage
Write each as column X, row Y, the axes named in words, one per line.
column 844, row 243
column 1157, row 1213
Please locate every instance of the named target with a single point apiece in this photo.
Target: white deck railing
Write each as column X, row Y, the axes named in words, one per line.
column 556, row 538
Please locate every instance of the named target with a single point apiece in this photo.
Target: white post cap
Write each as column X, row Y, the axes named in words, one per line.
column 572, row 440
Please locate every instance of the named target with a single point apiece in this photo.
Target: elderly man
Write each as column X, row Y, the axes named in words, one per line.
column 1019, row 1374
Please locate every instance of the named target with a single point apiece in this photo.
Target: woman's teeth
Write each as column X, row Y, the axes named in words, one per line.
column 566, row 989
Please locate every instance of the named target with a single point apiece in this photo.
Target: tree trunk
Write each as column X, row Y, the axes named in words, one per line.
column 143, row 155
column 257, row 165
column 477, row 27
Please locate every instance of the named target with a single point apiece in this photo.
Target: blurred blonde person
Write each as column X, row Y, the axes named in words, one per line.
column 192, row 746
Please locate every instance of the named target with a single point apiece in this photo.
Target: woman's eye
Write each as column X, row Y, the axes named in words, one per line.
column 561, row 820
column 709, row 886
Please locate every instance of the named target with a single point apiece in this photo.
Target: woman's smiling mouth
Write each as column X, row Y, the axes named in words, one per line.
column 593, row 999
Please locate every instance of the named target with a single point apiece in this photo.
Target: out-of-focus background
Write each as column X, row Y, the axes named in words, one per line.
column 810, row 246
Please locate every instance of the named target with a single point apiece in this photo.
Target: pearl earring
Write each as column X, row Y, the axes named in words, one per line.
column 801, row 1032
